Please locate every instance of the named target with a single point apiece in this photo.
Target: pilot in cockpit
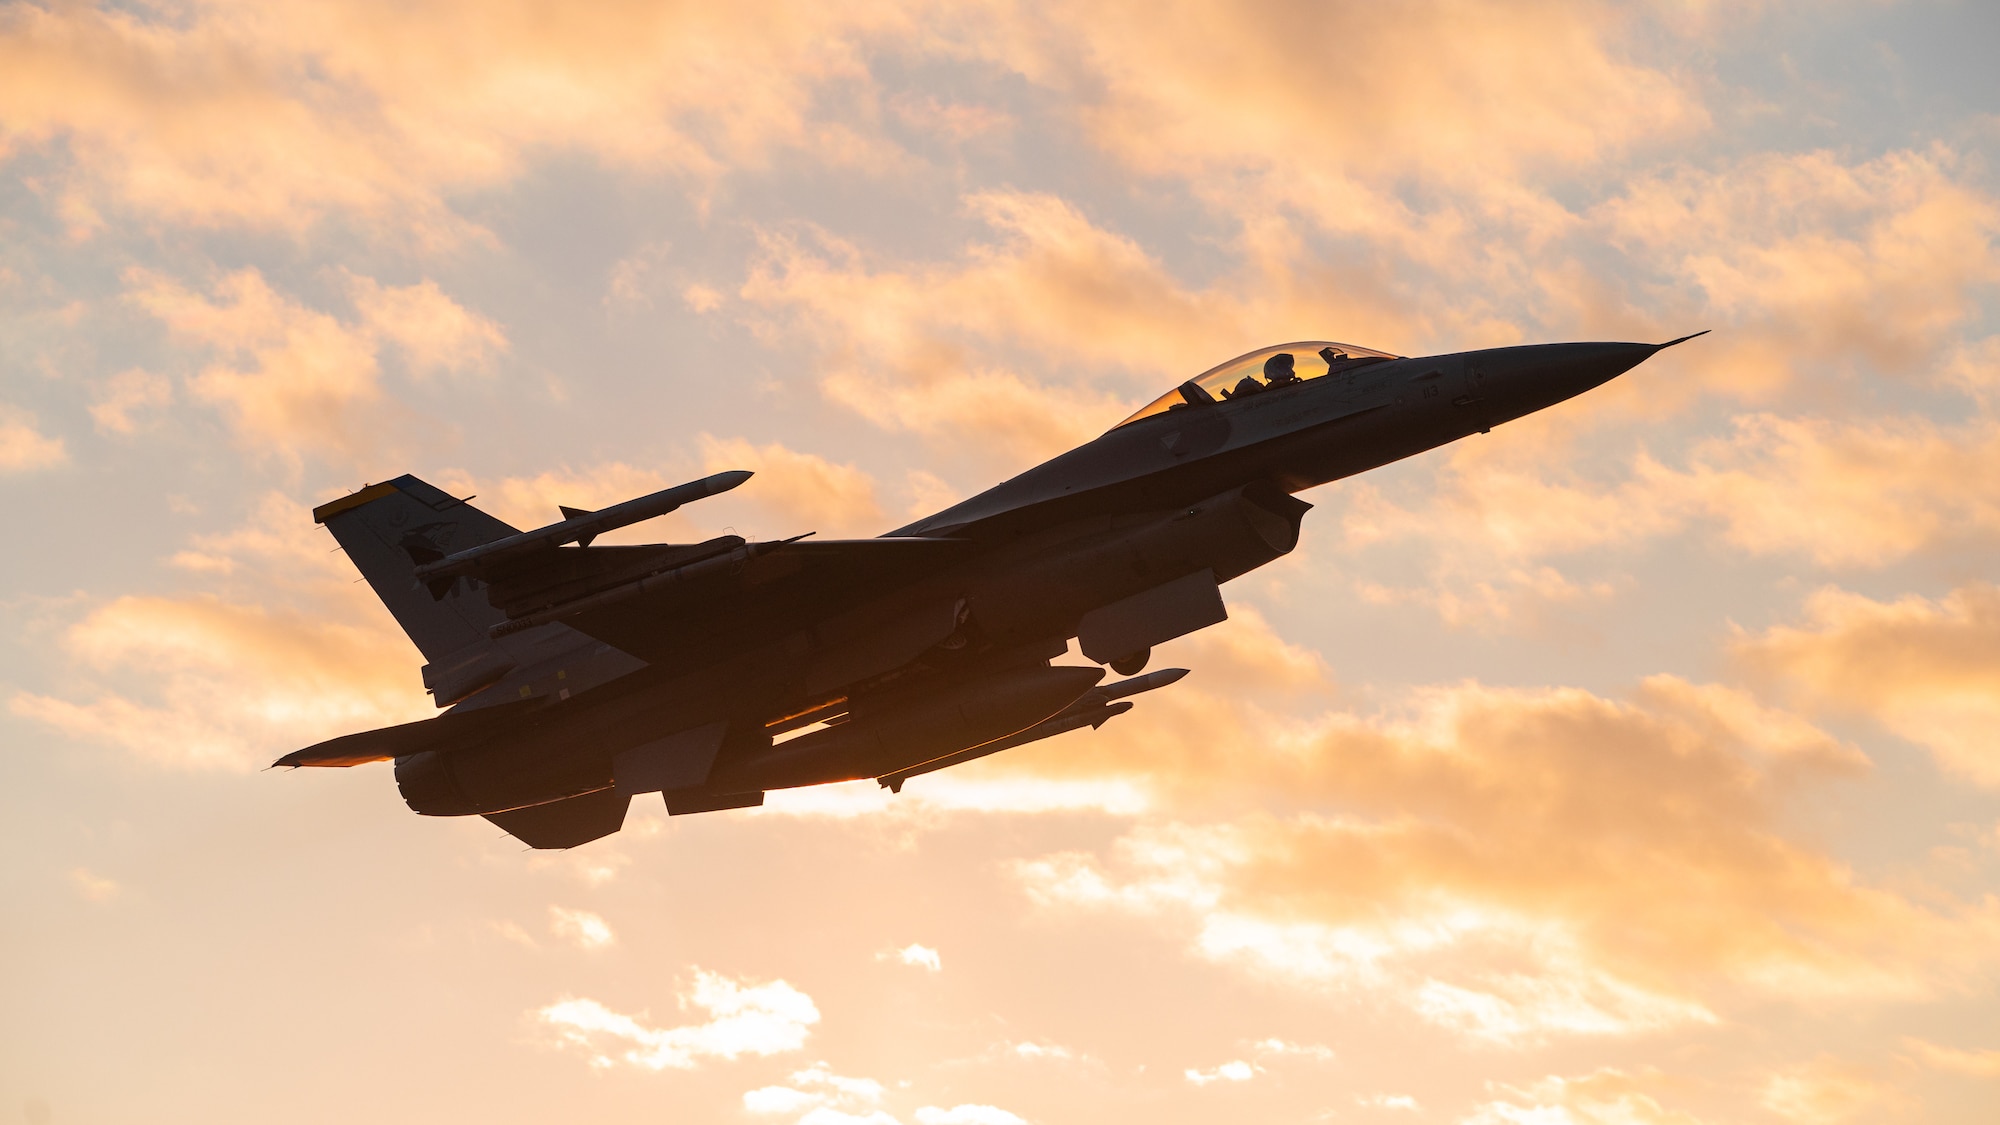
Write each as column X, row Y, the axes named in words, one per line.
column 1277, row 373
column 1278, row 370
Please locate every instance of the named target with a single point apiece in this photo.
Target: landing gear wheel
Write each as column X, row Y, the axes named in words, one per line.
column 1132, row 663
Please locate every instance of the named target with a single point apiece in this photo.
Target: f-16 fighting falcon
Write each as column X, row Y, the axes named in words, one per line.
column 576, row 677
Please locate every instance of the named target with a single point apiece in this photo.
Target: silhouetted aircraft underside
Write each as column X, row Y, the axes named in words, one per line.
column 576, row 676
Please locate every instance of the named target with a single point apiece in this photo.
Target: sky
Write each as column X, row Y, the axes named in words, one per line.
column 1634, row 764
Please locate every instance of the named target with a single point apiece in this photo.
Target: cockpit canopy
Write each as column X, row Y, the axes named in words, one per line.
column 1263, row 370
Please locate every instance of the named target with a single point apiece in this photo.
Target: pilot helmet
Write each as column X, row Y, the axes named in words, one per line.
column 1278, row 366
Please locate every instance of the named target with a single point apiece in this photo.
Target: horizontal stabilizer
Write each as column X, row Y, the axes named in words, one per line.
column 566, row 823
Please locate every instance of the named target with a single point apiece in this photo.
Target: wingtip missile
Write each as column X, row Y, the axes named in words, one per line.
column 581, row 526
column 1149, row 682
column 724, row 481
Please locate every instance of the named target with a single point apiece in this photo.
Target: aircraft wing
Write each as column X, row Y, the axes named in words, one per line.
column 661, row 602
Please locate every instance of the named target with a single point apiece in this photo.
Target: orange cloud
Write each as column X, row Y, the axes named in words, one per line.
column 234, row 113
column 1839, row 494
column 126, row 394
column 23, row 447
column 1843, row 494
column 1279, row 104
column 1510, row 864
column 293, row 377
column 744, row 1019
column 1929, row 670
column 1828, row 1091
column 1608, row 1097
column 1822, row 259
column 234, row 683
column 1953, row 1060
column 92, row 886
column 434, row 332
column 210, row 681
column 586, row 930
column 1034, row 341
column 800, row 488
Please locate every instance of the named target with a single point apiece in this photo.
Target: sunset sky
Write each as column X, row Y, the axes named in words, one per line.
column 1635, row 764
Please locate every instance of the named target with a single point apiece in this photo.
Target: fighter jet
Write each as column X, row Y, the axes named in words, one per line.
column 575, row 677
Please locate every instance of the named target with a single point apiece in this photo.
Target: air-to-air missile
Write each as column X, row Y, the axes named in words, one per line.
column 577, row 676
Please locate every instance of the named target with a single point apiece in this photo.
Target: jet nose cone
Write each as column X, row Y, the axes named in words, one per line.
column 1539, row 376
column 1571, row 369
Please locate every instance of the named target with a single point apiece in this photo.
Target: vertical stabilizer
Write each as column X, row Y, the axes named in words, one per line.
column 388, row 530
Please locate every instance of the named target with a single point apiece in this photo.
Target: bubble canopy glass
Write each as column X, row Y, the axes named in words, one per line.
column 1245, row 375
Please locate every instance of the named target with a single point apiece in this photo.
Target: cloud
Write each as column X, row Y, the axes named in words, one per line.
column 744, row 1019
column 968, row 1114
column 956, row 351
column 1827, row 1091
column 1239, row 98
column 230, row 114
column 800, row 488
column 1608, row 1097
column 827, row 1115
column 826, row 1096
column 125, row 394
column 1840, row 495
column 434, row 332
column 1236, row 1070
column 219, row 679
column 917, row 956
column 586, row 930
column 1506, row 863
column 1242, row 1070
column 1291, row 123
column 1953, row 1060
column 235, row 685
column 23, row 447
column 1928, row 670
column 287, row 377
column 1819, row 259
column 92, row 886
column 1315, row 1051
column 292, row 377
